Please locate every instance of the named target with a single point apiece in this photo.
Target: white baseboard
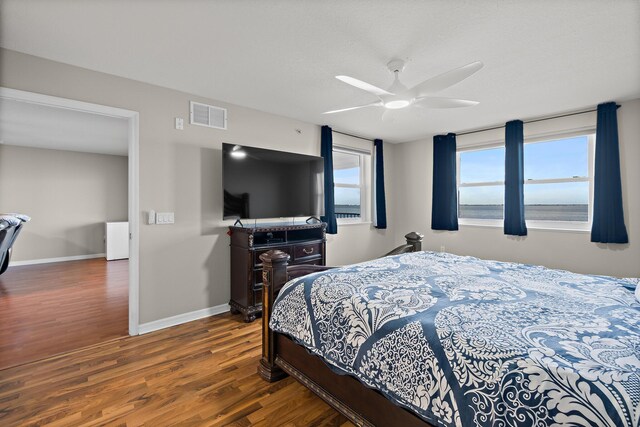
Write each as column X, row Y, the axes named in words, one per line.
column 60, row 259
column 167, row 322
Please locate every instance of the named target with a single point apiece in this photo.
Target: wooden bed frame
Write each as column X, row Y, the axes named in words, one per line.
column 281, row 356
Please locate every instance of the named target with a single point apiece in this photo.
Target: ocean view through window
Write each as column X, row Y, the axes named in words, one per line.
column 557, row 189
column 351, row 175
column 481, row 183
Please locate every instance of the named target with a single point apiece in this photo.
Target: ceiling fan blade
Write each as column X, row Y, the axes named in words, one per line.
column 363, row 85
column 445, row 80
column 374, row 104
column 435, row 102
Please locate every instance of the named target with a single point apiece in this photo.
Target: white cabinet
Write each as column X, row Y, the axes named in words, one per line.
column 117, row 240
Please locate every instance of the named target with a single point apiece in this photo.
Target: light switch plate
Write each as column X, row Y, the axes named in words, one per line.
column 164, row 218
column 179, row 123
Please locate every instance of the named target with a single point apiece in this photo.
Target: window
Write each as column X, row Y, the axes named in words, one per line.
column 352, row 178
column 557, row 189
column 481, row 184
column 557, row 178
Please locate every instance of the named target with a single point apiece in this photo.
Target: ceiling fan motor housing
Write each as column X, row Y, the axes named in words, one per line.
column 396, row 65
column 401, row 97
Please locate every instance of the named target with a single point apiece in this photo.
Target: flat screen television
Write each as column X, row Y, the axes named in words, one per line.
column 260, row 183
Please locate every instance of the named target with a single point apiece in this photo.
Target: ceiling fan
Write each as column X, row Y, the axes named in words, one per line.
column 398, row 96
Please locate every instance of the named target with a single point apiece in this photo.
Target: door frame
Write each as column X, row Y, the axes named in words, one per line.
column 133, row 119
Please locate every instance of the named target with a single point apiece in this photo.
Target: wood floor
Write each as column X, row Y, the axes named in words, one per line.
column 48, row 309
column 198, row 373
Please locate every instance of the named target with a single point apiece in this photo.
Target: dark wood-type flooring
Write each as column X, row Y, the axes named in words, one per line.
column 198, row 373
column 48, row 309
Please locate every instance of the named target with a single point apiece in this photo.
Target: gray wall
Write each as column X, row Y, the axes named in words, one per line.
column 69, row 196
column 558, row 249
column 185, row 266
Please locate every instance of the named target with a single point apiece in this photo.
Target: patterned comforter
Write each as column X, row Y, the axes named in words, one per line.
column 462, row 341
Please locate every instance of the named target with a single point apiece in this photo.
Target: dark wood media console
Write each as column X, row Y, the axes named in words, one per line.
column 305, row 244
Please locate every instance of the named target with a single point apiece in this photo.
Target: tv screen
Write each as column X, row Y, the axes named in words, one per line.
column 260, row 183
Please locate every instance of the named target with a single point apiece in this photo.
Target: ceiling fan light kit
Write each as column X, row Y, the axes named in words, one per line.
column 398, row 96
column 397, row 104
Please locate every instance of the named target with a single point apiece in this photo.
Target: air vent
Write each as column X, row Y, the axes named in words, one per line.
column 208, row 115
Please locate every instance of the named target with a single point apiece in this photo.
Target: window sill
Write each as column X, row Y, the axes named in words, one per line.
column 340, row 224
column 480, row 223
column 538, row 226
column 561, row 230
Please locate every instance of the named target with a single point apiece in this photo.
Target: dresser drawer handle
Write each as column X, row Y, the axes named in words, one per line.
column 307, row 251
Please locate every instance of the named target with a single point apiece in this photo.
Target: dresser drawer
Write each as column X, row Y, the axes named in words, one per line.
column 310, row 261
column 257, row 262
column 307, row 250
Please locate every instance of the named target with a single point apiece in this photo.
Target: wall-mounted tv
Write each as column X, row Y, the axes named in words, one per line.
column 260, row 183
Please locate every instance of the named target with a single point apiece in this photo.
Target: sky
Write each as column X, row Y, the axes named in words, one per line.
column 563, row 158
column 346, row 196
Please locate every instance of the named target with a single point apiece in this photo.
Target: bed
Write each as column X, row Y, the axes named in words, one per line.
column 425, row 338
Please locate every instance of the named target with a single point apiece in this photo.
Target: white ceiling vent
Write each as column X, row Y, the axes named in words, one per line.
column 208, row 115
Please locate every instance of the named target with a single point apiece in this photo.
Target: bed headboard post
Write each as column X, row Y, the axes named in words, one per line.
column 274, row 275
column 415, row 239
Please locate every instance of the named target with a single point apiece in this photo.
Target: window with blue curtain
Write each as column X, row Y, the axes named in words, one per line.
column 608, row 215
column 326, row 151
column 380, row 208
column 514, row 222
column 444, row 208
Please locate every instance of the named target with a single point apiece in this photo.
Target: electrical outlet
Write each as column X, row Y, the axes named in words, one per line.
column 442, row 248
column 179, row 123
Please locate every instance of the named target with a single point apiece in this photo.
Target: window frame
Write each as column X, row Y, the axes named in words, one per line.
column 477, row 221
column 366, row 178
column 577, row 226
column 567, row 225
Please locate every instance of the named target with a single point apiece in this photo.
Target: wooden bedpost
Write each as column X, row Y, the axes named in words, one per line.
column 414, row 244
column 414, row 239
column 274, row 275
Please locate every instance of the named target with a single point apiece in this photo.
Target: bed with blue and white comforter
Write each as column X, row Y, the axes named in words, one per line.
column 463, row 341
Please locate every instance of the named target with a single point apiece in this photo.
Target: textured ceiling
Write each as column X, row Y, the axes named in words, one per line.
column 281, row 56
column 39, row 126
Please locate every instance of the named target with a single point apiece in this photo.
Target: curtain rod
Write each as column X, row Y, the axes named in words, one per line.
column 354, row 136
column 529, row 121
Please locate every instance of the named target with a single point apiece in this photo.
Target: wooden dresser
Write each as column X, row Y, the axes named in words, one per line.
column 306, row 244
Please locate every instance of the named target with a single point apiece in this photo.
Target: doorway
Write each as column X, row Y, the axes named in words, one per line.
column 37, row 275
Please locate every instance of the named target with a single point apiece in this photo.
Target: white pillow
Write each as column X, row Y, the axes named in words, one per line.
column 638, row 290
